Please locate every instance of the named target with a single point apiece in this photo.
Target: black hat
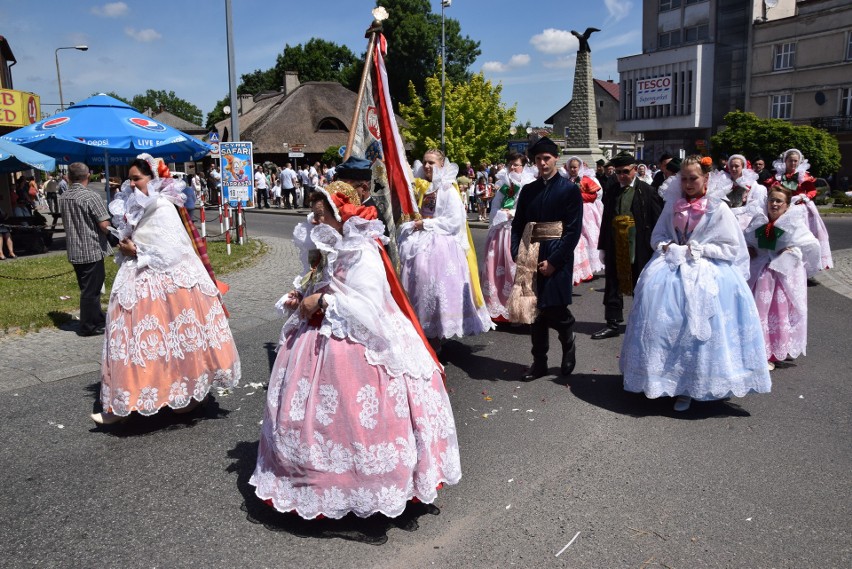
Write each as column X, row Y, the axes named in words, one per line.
column 673, row 165
column 601, row 162
column 542, row 145
column 354, row 169
column 623, row 158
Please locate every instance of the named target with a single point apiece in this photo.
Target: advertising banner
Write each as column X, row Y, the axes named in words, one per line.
column 19, row 108
column 654, row 91
column 237, row 173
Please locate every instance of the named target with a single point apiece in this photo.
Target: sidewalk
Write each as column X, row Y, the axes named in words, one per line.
column 56, row 354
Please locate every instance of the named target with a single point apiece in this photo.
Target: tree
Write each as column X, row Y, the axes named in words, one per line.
column 317, row 60
column 477, row 121
column 168, row 101
column 331, row 155
column 750, row 136
column 414, row 48
column 115, row 95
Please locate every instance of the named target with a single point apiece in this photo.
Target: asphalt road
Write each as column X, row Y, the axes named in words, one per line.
column 757, row 482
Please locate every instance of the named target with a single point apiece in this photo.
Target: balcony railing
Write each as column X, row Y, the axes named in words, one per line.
column 834, row 124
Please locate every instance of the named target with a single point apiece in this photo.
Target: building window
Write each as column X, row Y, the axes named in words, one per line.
column 849, row 48
column 600, row 133
column 696, row 33
column 331, row 124
column 688, row 2
column 666, row 5
column 781, row 106
column 785, row 56
column 669, row 39
column 846, row 102
column 567, row 130
column 600, row 103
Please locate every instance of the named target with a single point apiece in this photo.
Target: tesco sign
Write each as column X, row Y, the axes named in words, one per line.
column 654, row 91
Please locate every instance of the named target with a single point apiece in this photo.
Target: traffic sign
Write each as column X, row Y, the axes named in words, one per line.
column 342, row 151
column 215, row 149
column 296, row 154
column 214, row 137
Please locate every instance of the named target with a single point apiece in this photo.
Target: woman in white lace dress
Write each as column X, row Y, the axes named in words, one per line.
column 167, row 336
column 694, row 331
column 357, row 417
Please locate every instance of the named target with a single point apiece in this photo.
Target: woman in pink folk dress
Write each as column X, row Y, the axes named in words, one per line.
column 792, row 173
column 784, row 253
column 587, row 258
column 498, row 271
column 167, row 335
column 357, row 417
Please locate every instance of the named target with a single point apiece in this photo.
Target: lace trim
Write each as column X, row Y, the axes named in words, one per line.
column 132, row 283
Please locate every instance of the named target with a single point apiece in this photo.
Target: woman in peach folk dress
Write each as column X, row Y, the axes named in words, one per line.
column 167, row 335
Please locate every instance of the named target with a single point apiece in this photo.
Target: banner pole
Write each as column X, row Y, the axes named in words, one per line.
column 372, row 31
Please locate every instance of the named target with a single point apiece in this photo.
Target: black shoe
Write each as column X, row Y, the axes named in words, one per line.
column 96, row 332
column 611, row 331
column 569, row 357
column 537, row 370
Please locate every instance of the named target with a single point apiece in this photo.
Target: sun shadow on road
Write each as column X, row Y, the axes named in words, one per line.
column 475, row 366
column 607, row 392
column 166, row 419
column 372, row 530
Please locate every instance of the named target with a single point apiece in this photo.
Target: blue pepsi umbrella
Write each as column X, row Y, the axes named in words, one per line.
column 103, row 130
column 14, row 158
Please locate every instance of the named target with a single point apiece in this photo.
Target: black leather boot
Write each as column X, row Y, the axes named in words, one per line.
column 536, row 370
column 611, row 331
column 569, row 353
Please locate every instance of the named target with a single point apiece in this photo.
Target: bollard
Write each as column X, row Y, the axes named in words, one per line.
column 227, row 228
column 221, row 228
column 240, row 239
column 203, row 225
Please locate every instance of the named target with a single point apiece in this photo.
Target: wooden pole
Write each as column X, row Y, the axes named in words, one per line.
column 372, row 35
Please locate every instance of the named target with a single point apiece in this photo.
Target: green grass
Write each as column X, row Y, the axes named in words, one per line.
column 824, row 210
column 31, row 301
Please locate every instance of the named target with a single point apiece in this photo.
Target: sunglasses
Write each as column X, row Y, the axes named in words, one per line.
column 623, row 171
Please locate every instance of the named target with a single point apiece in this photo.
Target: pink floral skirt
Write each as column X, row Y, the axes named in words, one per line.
column 782, row 303
column 587, row 259
column 340, row 435
column 166, row 352
column 498, row 273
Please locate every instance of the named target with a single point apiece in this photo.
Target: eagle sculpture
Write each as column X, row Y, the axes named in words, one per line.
column 584, row 39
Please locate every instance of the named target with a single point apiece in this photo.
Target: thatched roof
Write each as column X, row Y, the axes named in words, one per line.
column 316, row 114
column 177, row 122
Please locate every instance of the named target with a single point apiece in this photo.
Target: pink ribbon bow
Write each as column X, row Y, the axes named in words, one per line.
column 697, row 206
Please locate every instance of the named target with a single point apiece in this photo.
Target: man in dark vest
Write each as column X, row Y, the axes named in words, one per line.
column 631, row 209
column 545, row 230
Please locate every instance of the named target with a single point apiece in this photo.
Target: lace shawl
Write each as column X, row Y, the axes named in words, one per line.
column 716, row 238
column 507, row 177
column 361, row 307
column 796, row 247
column 780, row 166
column 450, row 215
column 165, row 258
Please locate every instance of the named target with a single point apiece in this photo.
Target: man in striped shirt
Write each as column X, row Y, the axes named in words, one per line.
column 86, row 221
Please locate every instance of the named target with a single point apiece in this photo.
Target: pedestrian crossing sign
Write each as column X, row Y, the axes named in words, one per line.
column 214, row 136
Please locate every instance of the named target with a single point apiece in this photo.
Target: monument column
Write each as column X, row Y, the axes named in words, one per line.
column 582, row 137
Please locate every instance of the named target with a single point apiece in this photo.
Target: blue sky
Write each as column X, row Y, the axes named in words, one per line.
column 179, row 45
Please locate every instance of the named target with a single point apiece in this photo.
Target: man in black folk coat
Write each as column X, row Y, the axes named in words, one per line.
column 550, row 198
column 627, row 200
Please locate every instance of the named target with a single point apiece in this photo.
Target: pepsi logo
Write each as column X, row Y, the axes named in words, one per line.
column 53, row 123
column 146, row 124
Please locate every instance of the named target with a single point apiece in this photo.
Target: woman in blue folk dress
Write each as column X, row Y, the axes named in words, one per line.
column 694, row 331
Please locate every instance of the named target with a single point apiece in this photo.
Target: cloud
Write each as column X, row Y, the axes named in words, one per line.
column 631, row 37
column 554, row 41
column 565, row 62
column 618, row 9
column 110, row 10
column 518, row 60
column 145, row 35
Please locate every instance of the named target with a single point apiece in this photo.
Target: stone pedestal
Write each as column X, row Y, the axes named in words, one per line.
column 582, row 120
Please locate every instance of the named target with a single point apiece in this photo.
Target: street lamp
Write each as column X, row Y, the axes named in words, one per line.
column 58, row 76
column 444, row 4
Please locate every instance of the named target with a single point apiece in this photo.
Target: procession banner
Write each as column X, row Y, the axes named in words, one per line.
column 237, row 173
